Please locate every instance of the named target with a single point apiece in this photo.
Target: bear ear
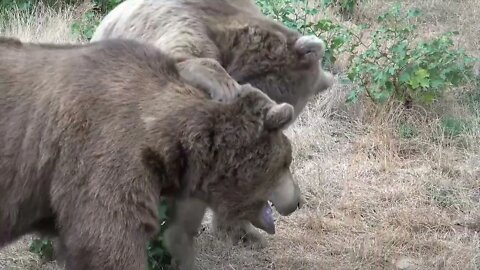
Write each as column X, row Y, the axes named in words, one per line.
column 275, row 116
column 279, row 117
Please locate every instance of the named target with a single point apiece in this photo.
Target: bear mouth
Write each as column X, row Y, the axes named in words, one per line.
column 268, row 215
column 268, row 222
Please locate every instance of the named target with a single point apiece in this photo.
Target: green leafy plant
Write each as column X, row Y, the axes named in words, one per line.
column 104, row 6
column 16, row 4
column 346, row 7
column 292, row 13
column 453, row 126
column 472, row 97
column 297, row 14
column 43, row 247
column 158, row 256
column 407, row 131
column 338, row 39
column 85, row 28
column 392, row 65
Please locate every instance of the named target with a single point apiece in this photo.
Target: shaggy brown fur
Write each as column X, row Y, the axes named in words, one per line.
column 220, row 45
column 230, row 41
column 92, row 135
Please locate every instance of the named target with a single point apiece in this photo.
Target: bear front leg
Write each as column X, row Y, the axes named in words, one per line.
column 208, row 75
column 186, row 220
column 109, row 245
column 238, row 231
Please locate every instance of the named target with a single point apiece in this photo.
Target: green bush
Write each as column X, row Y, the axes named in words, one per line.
column 158, row 256
column 472, row 97
column 43, row 247
column 104, row 6
column 453, row 126
column 346, row 7
column 407, row 131
column 393, row 66
column 296, row 13
column 85, row 28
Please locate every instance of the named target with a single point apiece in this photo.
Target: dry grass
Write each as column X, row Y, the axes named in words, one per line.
column 375, row 199
column 46, row 25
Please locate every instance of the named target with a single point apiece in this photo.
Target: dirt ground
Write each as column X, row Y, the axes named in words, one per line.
column 373, row 200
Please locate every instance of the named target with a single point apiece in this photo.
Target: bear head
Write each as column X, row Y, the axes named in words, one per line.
column 282, row 62
column 234, row 157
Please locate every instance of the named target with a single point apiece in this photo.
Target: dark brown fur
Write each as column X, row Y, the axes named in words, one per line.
column 91, row 135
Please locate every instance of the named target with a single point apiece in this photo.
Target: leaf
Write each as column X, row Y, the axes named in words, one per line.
column 420, row 79
column 312, row 11
column 436, row 83
column 414, row 13
column 391, row 71
column 327, row 2
column 364, row 26
column 405, row 77
column 400, row 49
column 428, row 97
column 352, row 97
column 381, row 96
column 324, row 24
column 43, row 248
column 337, row 42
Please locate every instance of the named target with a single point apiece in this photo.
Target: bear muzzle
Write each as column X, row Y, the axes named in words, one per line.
column 286, row 196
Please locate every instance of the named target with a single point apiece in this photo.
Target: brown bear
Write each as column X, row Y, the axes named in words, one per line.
column 229, row 41
column 92, row 135
column 220, row 45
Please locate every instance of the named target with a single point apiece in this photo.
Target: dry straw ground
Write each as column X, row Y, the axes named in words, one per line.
column 374, row 200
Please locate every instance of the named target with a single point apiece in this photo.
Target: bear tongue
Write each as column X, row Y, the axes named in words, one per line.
column 264, row 219
column 267, row 219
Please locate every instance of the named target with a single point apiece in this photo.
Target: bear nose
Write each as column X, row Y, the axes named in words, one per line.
column 300, row 204
column 311, row 47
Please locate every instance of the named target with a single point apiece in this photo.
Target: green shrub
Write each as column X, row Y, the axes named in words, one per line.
column 43, row 247
column 85, row 28
column 394, row 66
column 346, row 7
column 472, row 97
column 296, row 13
column 292, row 13
column 407, row 131
column 104, row 6
column 158, row 256
column 453, row 126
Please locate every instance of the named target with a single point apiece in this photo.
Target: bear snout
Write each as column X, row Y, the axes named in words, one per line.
column 286, row 196
column 310, row 47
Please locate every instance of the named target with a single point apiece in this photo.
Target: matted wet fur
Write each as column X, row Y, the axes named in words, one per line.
column 92, row 135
